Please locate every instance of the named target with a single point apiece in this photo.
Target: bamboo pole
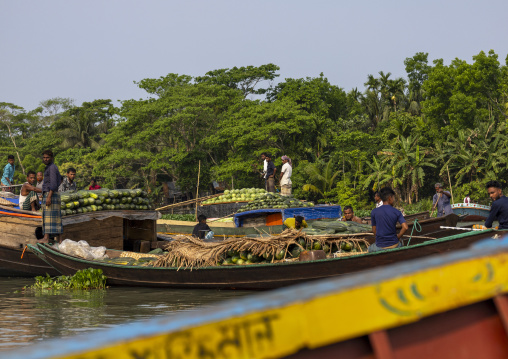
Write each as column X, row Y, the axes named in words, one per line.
column 450, row 182
column 197, row 189
column 191, row 201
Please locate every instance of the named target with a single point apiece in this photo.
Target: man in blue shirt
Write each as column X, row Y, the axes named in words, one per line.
column 499, row 207
column 384, row 223
column 8, row 174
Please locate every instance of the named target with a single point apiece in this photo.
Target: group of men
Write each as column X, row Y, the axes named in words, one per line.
column 43, row 188
column 269, row 171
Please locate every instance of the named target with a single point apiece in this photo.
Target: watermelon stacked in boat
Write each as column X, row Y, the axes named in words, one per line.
column 84, row 201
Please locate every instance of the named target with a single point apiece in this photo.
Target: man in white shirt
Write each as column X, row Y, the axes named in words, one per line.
column 285, row 176
column 467, row 199
column 378, row 200
column 265, row 165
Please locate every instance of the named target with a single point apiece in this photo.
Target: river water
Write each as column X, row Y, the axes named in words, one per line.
column 27, row 317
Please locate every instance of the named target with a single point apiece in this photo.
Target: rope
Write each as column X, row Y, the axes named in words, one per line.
column 418, row 227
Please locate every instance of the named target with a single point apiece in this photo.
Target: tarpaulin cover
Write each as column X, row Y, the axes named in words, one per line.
column 316, row 212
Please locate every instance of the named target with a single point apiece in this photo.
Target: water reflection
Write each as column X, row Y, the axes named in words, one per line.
column 27, row 317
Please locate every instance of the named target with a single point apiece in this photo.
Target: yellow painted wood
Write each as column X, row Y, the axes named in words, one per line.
column 323, row 320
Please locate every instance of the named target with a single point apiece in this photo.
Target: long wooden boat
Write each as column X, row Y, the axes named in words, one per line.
column 443, row 306
column 112, row 229
column 409, row 218
column 261, row 276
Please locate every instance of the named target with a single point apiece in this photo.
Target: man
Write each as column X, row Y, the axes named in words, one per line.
column 442, row 200
column 499, row 207
column 40, row 178
column 297, row 222
column 28, row 199
column 51, row 216
column 349, row 215
column 201, row 229
column 68, row 183
column 378, row 200
column 467, row 199
column 384, row 223
column 8, row 174
column 285, row 176
column 94, row 185
column 270, row 174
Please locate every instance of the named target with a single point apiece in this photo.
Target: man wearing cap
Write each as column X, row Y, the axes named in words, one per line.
column 442, row 200
column 285, row 176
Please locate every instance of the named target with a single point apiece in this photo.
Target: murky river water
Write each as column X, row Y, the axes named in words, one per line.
column 28, row 317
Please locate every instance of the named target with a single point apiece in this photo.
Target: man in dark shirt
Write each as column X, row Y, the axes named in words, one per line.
column 384, row 223
column 270, row 174
column 201, row 229
column 499, row 207
column 51, row 215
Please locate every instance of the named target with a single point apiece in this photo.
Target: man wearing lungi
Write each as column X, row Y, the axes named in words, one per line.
column 51, row 216
column 28, row 199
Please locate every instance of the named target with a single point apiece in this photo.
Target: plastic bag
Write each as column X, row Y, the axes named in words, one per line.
column 82, row 249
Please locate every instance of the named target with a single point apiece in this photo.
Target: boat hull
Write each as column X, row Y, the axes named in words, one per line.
column 256, row 277
column 13, row 265
column 471, row 211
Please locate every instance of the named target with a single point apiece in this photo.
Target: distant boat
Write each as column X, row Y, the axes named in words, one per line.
column 472, row 211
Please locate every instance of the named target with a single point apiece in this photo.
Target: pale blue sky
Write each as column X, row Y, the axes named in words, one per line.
column 94, row 49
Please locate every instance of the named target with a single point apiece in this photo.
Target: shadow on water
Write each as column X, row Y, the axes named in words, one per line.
column 27, row 317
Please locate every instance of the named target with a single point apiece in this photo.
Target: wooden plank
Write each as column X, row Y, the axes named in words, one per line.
column 16, row 240
column 17, row 229
column 26, row 221
column 140, row 234
column 109, row 242
column 96, row 224
column 95, row 234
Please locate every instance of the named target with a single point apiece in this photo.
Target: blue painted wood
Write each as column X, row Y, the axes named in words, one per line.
column 252, row 304
column 471, row 209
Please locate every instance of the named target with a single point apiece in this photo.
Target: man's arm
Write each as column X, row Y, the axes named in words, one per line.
column 374, row 230
column 30, row 188
column 447, row 193
column 494, row 210
column 403, row 230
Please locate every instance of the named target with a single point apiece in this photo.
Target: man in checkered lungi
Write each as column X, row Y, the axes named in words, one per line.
column 51, row 215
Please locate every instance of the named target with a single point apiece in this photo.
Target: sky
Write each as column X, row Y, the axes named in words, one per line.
column 87, row 50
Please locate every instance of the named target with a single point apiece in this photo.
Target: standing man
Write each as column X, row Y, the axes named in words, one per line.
column 285, row 176
column 68, row 183
column 499, row 207
column 442, row 200
column 349, row 215
column 51, row 215
column 378, row 200
column 467, row 199
column 40, row 178
column 8, row 175
column 270, row 174
column 384, row 223
column 28, row 199
column 265, row 165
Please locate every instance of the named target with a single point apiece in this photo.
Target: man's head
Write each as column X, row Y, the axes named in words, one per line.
column 377, row 197
column 93, row 182
column 202, row 218
column 30, row 177
column 10, row 159
column 47, row 157
column 268, row 157
column 298, row 221
column 263, row 155
column 387, row 195
column 40, row 176
column 71, row 173
column 348, row 213
column 439, row 187
column 494, row 189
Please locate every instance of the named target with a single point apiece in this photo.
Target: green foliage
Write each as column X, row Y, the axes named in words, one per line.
column 85, row 279
column 345, row 195
column 476, row 190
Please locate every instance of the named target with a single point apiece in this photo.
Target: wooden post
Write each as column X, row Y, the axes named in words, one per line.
column 450, row 182
column 197, row 189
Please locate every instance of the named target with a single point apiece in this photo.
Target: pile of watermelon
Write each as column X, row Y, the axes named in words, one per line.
column 84, row 201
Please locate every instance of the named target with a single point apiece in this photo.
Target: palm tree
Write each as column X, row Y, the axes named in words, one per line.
column 321, row 176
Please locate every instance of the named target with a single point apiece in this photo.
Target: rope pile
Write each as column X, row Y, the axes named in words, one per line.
column 190, row 252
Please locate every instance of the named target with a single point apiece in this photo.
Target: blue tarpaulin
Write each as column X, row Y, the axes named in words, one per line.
column 316, row 212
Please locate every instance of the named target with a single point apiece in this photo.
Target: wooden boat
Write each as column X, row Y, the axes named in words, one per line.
column 443, row 306
column 113, row 229
column 261, row 276
column 471, row 212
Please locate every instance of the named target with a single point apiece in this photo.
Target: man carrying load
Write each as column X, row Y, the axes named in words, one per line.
column 51, row 215
column 28, row 198
column 297, row 222
column 384, row 223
